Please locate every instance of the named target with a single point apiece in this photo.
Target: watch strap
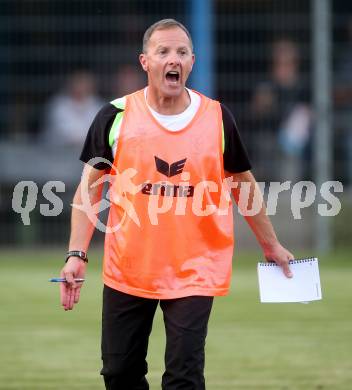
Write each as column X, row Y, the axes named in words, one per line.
column 82, row 255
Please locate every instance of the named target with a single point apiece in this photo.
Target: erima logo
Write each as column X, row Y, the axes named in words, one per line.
column 169, row 170
column 166, row 188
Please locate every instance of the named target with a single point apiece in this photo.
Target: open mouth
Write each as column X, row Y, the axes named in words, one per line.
column 173, row 76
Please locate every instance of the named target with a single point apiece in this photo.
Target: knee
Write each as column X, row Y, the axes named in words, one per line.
column 122, row 365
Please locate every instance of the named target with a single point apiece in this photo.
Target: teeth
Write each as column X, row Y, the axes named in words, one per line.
column 173, row 72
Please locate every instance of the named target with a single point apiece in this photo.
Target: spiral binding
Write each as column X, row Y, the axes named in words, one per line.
column 295, row 261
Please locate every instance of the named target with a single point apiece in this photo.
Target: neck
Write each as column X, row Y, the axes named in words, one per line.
column 167, row 105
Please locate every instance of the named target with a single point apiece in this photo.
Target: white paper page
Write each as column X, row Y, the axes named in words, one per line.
column 304, row 286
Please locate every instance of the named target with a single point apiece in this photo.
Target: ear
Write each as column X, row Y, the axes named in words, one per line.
column 144, row 62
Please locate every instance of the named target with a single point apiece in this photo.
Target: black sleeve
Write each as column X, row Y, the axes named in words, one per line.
column 235, row 155
column 97, row 141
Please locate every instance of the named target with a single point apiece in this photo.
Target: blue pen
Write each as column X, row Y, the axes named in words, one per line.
column 64, row 280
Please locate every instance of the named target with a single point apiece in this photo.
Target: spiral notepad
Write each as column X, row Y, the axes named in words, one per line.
column 304, row 286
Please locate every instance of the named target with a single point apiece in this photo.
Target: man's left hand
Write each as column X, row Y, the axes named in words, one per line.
column 281, row 256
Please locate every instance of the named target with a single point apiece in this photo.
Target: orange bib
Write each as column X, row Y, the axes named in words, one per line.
column 167, row 237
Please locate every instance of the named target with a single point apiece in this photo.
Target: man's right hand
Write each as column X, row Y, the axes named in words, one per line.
column 70, row 290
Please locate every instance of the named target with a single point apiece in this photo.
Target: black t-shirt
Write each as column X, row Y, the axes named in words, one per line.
column 97, row 141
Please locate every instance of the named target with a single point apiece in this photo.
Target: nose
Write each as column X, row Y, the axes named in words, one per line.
column 174, row 59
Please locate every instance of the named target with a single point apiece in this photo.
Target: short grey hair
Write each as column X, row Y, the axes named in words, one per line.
column 164, row 24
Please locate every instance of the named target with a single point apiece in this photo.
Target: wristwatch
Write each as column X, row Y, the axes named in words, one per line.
column 82, row 255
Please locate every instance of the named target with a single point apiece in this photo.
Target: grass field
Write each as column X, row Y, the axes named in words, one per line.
column 249, row 345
